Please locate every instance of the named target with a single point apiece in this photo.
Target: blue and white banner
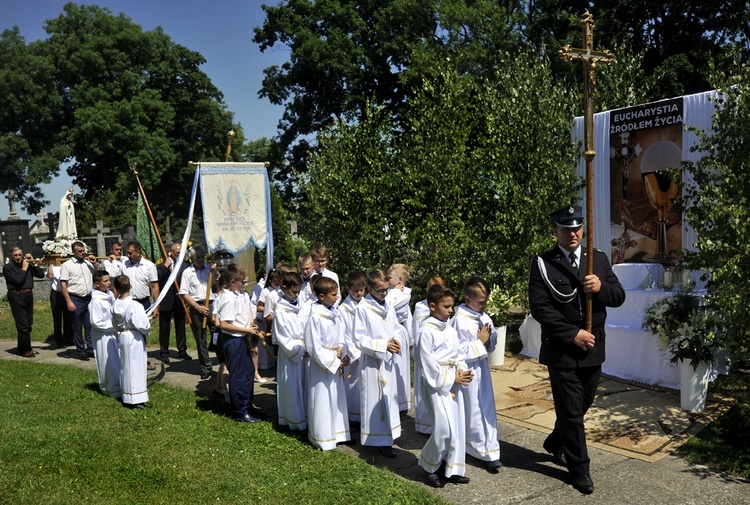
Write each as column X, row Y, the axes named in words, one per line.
column 236, row 207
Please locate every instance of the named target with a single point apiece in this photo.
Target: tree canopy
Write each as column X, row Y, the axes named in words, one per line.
column 344, row 53
column 101, row 94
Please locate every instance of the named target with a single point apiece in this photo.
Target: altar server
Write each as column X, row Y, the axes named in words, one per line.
column 132, row 327
column 106, row 350
column 355, row 286
column 399, row 298
column 477, row 337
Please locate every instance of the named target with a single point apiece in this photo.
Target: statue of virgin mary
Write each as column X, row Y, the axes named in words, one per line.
column 66, row 228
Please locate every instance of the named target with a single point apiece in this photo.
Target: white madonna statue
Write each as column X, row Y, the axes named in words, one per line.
column 66, row 229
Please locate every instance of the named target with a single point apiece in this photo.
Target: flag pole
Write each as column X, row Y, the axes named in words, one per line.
column 158, row 235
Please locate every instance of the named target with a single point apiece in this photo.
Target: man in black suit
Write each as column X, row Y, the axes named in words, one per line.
column 171, row 307
column 19, row 277
column 558, row 286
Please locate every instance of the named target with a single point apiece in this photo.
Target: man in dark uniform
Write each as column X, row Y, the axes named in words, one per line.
column 557, row 287
column 171, row 307
column 19, row 277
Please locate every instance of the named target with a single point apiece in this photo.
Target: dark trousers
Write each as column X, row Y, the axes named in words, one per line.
column 22, row 308
column 177, row 313
column 201, row 335
column 241, row 374
column 81, row 324
column 61, row 319
column 573, row 391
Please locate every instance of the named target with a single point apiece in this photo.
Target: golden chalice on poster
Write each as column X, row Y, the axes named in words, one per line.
column 660, row 188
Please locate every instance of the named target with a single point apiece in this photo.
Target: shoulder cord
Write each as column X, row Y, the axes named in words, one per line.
column 560, row 297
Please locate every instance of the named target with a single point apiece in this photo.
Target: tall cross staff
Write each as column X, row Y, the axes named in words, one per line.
column 590, row 59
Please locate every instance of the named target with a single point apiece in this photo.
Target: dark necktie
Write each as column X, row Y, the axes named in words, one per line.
column 573, row 262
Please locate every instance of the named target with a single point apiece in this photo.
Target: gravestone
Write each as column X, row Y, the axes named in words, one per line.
column 14, row 232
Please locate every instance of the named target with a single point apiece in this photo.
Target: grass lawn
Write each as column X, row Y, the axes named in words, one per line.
column 64, row 442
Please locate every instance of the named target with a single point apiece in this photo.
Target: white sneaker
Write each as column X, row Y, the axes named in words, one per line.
column 261, row 380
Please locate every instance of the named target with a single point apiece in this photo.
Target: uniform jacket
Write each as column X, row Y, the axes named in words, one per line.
column 561, row 321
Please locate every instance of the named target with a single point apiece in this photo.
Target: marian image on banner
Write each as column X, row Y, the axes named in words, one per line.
column 236, row 206
column 645, row 141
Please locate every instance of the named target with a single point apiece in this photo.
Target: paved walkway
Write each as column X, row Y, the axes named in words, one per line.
column 528, row 477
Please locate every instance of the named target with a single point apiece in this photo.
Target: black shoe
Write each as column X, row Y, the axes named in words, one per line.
column 90, row 353
column 83, row 356
column 493, row 465
column 248, row 419
column 205, row 374
column 387, row 451
column 433, row 480
column 558, row 455
column 582, row 483
column 459, row 479
column 185, row 356
column 136, row 406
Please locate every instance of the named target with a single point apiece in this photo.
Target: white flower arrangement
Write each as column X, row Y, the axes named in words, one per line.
column 63, row 247
column 686, row 329
column 498, row 306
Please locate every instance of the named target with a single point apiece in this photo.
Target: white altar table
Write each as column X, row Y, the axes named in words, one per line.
column 632, row 352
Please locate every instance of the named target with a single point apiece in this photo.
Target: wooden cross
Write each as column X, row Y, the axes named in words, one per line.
column 590, row 59
column 100, row 230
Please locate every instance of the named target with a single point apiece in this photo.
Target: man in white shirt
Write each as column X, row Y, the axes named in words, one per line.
column 144, row 280
column 76, row 284
column 194, row 290
column 115, row 265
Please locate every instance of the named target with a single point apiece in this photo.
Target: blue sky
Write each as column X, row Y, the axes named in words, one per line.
column 220, row 30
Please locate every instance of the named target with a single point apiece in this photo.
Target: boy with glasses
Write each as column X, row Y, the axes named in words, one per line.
column 375, row 335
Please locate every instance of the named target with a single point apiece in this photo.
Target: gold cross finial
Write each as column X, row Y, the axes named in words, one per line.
column 588, row 56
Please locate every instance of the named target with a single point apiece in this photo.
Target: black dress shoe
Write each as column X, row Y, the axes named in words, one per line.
column 459, row 479
column 582, row 483
column 165, row 359
column 205, row 374
column 433, row 480
column 493, row 465
column 185, row 356
column 83, row 356
column 136, row 406
column 28, row 354
column 558, row 455
column 387, row 451
column 248, row 419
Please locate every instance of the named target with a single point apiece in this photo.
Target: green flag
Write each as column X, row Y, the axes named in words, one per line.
column 145, row 232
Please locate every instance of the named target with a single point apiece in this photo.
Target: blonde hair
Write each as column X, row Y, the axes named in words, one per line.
column 401, row 270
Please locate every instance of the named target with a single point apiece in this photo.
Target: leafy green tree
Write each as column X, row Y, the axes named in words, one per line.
column 131, row 96
column 463, row 188
column 343, row 53
column 30, row 121
column 717, row 205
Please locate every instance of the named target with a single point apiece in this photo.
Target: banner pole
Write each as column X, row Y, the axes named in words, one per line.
column 158, row 235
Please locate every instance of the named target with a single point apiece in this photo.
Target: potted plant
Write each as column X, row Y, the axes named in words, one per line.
column 498, row 307
column 692, row 333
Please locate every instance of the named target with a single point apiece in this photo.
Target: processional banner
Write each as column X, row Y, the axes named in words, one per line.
column 236, row 207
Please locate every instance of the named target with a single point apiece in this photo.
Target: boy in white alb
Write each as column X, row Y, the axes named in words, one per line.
column 132, row 326
column 443, row 372
column 399, row 298
column 375, row 335
column 106, row 351
column 355, row 286
column 478, row 338
column 267, row 298
column 289, row 322
column 320, row 258
column 422, row 422
column 327, row 418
